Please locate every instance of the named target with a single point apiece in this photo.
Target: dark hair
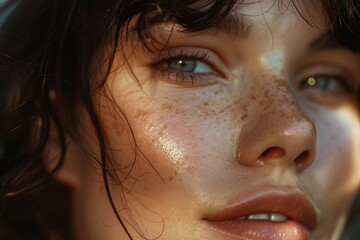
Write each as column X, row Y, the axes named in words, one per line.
column 46, row 50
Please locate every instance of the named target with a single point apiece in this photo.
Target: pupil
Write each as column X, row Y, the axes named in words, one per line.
column 182, row 65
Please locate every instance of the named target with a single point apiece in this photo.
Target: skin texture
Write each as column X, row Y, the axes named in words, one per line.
column 245, row 126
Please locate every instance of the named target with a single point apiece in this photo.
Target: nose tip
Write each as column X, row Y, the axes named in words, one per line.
column 291, row 149
column 278, row 139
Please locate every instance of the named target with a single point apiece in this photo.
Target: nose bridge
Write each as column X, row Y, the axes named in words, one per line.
column 279, row 103
column 280, row 132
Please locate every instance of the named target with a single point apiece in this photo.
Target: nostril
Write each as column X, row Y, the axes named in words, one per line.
column 272, row 153
column 302, row 160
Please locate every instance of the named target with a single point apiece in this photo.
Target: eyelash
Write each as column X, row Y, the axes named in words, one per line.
column 185, row 78
column 175, row 55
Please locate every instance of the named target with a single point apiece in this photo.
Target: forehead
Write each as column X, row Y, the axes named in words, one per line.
column 310, row 10
column 273, row 14
column 278, row 16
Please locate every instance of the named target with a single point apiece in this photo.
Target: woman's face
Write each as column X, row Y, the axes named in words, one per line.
column 248, row 130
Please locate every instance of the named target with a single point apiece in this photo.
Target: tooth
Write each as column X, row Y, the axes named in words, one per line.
column 277, row 217
column 260, row 216
column 240, row 218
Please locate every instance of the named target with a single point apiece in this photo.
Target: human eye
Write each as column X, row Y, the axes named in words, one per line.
column 189, row 68
column 329, row 77
column 329, row 88
column 331, row 84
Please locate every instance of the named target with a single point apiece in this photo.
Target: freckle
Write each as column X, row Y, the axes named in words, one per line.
column 253, row 97
column 118, row 133
column 244, row 117
column 206, row 103
column 141, row 114
column 166, row 106
column 266, row 93
column 190, row 169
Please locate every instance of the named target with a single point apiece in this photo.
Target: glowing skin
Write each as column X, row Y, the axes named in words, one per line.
column 239, row 130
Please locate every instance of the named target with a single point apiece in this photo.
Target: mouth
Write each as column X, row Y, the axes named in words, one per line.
column 267, row 215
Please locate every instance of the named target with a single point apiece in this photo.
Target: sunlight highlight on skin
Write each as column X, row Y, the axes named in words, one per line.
column 273, row 61
column 347, row 115
column 172, row 148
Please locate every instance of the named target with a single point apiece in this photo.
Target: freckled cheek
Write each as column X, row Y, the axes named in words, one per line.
column 179, row 141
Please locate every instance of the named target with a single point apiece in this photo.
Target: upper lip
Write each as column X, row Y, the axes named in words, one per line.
column 294, row 204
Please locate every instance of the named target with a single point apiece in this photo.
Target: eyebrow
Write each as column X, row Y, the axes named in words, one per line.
column 327, row 40
column 235, row 25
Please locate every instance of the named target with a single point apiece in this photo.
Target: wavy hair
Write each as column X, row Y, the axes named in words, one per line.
column 46, row 50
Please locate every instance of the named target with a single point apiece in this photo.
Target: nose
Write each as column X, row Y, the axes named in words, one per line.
column 279, row 133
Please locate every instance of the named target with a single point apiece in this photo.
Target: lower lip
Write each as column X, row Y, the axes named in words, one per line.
column 260, row 230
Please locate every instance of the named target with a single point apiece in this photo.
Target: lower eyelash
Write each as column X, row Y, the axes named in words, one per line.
column 184, row 79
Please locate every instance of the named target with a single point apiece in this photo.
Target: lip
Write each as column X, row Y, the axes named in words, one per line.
column 295, row 205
